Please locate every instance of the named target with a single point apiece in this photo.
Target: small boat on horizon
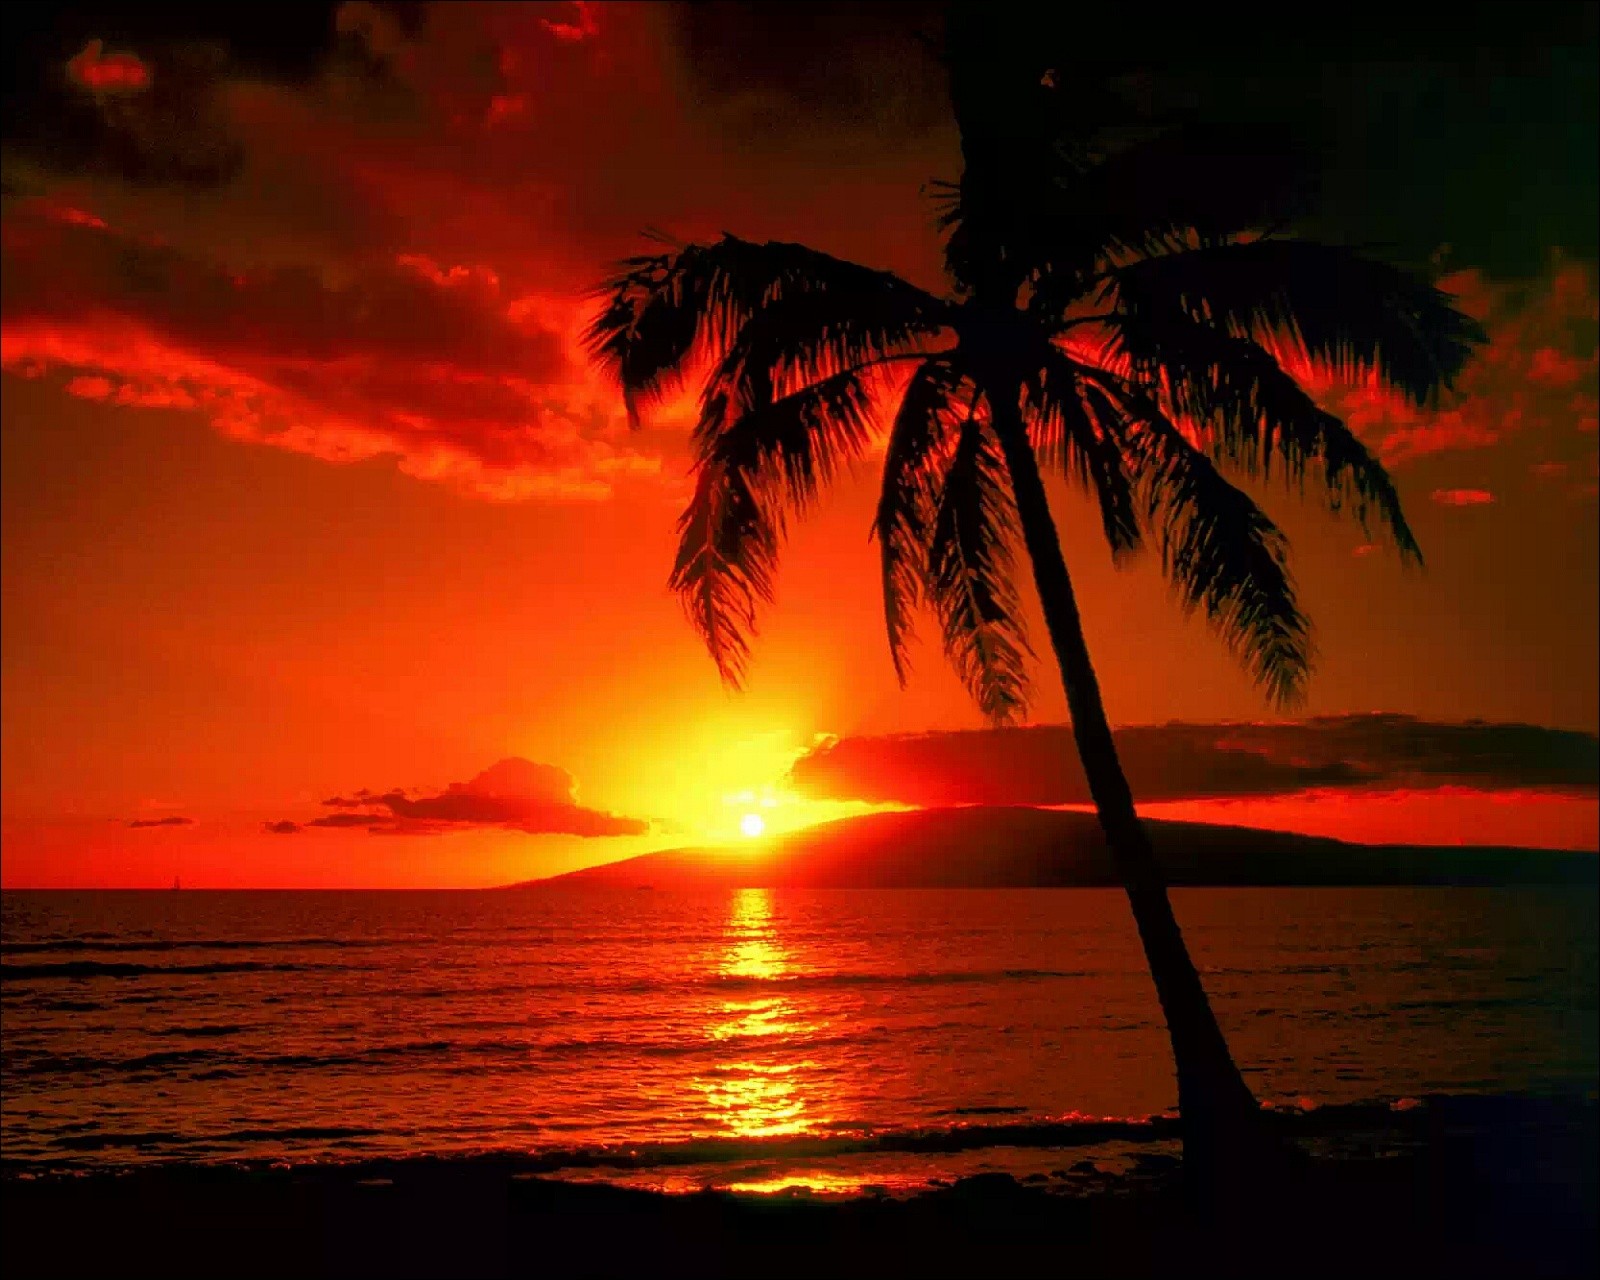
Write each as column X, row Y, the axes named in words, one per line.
column 176, row 884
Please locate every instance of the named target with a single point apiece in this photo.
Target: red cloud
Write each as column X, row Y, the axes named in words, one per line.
column 1540, row 371
column 103, row 72
column 435, row 366
column 1462, row 497
column 66, row 213
column 581, row 27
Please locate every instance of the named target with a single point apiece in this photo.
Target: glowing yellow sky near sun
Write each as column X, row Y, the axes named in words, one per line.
column 715, row 773
column 747, row 795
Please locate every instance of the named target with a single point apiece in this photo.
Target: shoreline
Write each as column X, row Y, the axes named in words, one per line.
column 1484, row 1202
column 913, row 1158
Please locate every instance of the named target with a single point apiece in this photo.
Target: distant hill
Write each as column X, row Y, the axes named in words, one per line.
column 1040, row 848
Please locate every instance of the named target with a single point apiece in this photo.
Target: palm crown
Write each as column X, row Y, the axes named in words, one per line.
column 1130, row 309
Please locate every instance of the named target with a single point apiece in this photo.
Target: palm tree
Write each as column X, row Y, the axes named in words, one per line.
column 1125, row 315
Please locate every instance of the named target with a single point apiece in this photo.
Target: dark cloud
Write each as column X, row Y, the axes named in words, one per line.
column 283, row 828
column 133, row 90
column 409, row 309
column 822, row 67
column 339, row 820
column 108, row 109
column 515, row 794
column 433, row 365
column 1039, row 766
column 162, row 822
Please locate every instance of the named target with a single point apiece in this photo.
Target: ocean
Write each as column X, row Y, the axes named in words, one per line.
column 760, row 1039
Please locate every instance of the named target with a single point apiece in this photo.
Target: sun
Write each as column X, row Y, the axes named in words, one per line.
column 752, row 825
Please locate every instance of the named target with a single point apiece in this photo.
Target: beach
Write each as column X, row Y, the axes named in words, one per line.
column 1509, row 1194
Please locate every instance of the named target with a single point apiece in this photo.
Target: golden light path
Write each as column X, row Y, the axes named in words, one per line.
column 764, row 1089
column 749, row 1097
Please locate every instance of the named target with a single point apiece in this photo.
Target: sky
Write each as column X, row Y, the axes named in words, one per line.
column 328, row 560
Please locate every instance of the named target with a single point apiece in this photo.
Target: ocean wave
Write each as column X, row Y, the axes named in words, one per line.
column 785, row 983
column 207, row 1031
column 1068, row 1131
column 18, row 1064
column 118, row 969
column 92, row 945
column 1392, row 1122
column 238, row 1063
column 726, row 983
column 222, row 1063
column 692, row 1048
column 802, row 982
column 145, row 1141
column 1065, row 1131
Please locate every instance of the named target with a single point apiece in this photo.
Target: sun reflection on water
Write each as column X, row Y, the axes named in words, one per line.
column 751, row 944
column 752, row 1095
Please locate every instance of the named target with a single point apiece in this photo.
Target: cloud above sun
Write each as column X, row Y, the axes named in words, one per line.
column 1348, row 754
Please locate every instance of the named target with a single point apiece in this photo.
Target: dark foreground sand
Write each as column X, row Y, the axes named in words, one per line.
column 1516, row 1201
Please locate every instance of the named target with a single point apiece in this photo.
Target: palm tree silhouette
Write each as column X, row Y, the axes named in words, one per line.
column 1123, row 314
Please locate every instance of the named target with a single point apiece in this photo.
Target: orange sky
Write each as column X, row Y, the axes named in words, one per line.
column 307, row 489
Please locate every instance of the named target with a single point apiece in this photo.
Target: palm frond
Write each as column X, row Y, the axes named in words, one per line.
column 969, row 578
column 1251, row 415
column 794, row 336
column 755, row 459
column 659, row 310
column 728, row 544
column 804, row 337
column 1346, row 313
column 654, row 309
column 795, row 443
column 1075, row 433
column 908, row 499
column 1221, row 552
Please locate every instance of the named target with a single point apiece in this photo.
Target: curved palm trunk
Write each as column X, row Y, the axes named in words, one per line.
column 1220, row 1116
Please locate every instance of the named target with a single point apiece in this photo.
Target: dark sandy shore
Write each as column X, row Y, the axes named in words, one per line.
column 1514, row 1200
